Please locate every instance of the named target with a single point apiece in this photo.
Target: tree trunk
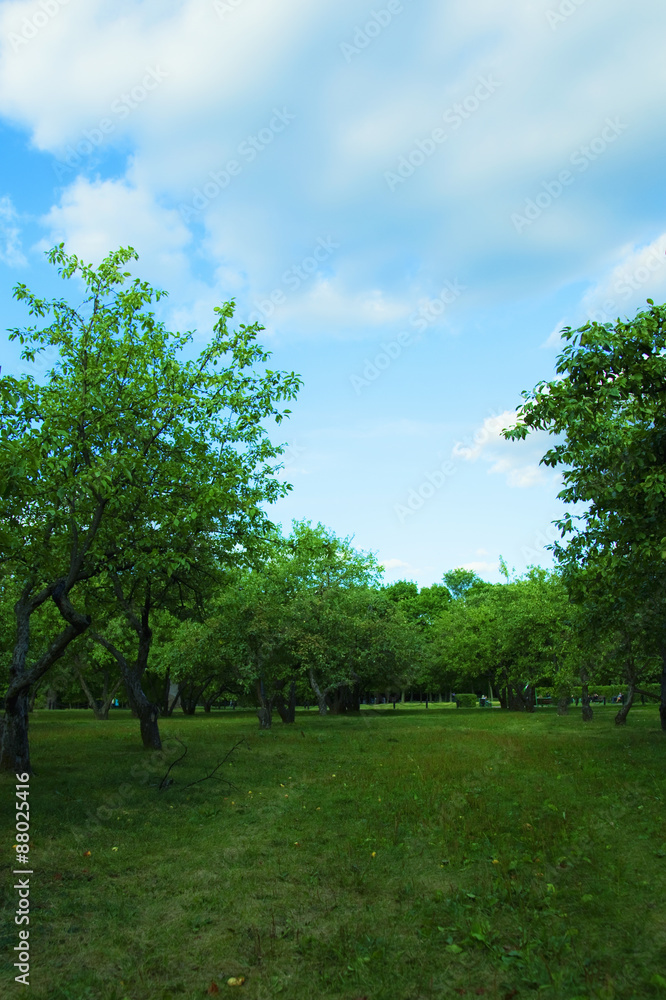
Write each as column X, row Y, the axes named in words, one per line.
column 563, row 703
column 287, row 709
column 146, row 712
column 265, row 710
column 563, row 698
column 150, row 733
column 316, row 690
column 210, row 699
column 585, row 695
column 334, row 700
column 621, row 717
column 662, row 702
column 520, row 700
column 346, row 698
column 188, row 700
column 100, row 707
column 191, row 693
column 172, row 697
column 166, row 693
column 514, row 701
column 15, row 755
column 34, row 690
column 142, row 708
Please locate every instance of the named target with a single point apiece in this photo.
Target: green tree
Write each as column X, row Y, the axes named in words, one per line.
column 332, row 582
column 298, row 614
column 607, row 403
column 123, row 466
column 507, row 635
column 421, row 609
column 203, row 659
column 460, row 581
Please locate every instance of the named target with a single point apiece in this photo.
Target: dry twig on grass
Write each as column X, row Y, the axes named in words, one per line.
column 166, row 781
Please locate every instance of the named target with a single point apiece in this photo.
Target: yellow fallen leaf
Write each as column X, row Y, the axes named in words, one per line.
column 236, row 981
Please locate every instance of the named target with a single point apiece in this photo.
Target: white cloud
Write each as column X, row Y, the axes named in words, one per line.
column 489, row 433
column 208, row 62
column 517, row 461
column 220, row 77
column 554, row 339
column 518, row 476
column 640, row 274
column 482, row 567
column 95, row 216
column 11, row 253
column 326, row 305
column 393, row 564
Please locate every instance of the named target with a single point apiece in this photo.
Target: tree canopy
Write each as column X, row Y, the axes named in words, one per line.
column 607, row 403
column 125, row 462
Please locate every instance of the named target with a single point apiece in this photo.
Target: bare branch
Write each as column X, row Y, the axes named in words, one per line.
column 164, row 783
column 217, row 766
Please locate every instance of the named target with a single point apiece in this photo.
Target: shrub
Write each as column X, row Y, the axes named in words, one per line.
column 466, row 700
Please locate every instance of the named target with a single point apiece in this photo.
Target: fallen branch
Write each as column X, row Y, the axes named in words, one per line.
column 164, row 783
column 223, row 761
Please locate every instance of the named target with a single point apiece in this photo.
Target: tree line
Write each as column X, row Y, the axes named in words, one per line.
column 136, row 554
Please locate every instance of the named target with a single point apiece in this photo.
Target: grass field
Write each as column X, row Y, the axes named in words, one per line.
column 399, row 855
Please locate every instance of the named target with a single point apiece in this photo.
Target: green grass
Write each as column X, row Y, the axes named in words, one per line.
column 399, row 855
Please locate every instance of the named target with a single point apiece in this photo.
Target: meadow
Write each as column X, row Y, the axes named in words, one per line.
column 393, row 855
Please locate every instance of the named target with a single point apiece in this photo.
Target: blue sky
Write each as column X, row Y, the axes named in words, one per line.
column 413, row 198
